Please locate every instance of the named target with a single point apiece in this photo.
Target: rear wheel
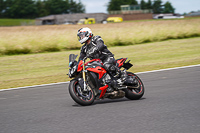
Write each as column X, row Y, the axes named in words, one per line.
column 137, row 91
column 79, row 96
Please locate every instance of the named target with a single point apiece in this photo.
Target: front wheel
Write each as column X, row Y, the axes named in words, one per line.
column 134, row 92
column 79, row 96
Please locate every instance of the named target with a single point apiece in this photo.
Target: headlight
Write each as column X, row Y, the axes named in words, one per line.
column 70, row 64
column 72, row 70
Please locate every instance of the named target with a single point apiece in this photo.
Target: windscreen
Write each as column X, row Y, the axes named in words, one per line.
column 72, row 57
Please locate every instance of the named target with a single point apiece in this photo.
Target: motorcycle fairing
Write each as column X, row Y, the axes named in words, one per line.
column 80, row 64
column 94, row 65
column 103, row 90
column 98, row 60
column 97, row 69
column 120, row 61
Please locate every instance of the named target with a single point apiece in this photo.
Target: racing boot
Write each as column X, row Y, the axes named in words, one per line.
column 131, row 81
column 124, row 76
column 127, row 80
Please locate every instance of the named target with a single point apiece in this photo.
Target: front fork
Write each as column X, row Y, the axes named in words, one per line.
column 84, row 78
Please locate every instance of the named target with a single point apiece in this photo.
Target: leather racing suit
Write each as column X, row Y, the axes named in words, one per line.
column 96, row 49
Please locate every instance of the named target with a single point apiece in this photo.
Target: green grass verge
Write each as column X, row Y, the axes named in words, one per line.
column 34, row 69
column 16, row 22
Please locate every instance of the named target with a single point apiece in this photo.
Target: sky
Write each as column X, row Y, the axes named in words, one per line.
column 181, row 6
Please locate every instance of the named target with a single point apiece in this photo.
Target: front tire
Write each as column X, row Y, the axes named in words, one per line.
column 80, row 97
column 134, row 92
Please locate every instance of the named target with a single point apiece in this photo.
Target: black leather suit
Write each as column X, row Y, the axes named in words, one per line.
column 96, row 49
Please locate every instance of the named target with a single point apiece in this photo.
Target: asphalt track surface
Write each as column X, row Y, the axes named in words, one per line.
column 171, row 104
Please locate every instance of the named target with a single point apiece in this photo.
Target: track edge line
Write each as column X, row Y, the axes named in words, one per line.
column 68, row 81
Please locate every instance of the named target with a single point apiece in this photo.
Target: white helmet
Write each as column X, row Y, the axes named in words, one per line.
column 84, row 34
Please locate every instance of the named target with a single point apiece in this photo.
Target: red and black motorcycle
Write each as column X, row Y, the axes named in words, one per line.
column 92, row 82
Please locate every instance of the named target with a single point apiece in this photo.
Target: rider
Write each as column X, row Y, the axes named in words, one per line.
column 95, row 48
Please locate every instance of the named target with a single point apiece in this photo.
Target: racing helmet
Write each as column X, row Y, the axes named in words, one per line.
column 84, row 34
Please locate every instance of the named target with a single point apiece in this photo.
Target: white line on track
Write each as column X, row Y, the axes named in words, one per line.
column 68, row 81
column 168, row 69
column 33, row 86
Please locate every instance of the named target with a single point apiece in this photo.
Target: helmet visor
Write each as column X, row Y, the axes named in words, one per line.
column 81, row 35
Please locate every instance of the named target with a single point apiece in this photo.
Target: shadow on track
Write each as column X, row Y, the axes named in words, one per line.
column 106, row 101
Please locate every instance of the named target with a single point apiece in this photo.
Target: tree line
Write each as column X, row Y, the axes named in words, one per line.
column 38, row 8
column 156, row 6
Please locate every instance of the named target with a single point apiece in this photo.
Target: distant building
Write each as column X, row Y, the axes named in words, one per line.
column 193, row 14
column 70, row 18
column 130, row 9
column 132, row 12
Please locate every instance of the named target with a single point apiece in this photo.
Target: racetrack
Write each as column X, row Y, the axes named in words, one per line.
column 171, row 104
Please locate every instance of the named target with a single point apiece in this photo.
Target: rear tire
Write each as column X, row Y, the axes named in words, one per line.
column 82, row 98
column 137, row 92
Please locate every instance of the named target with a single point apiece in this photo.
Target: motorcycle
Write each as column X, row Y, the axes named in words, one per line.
column 90, row 81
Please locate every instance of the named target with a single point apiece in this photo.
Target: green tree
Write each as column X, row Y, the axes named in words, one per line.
column 41, row 8
column 22, row 9
column 157, row 6
column 149, row 4
column 5, row 6
column 143, row 4
column 168, row 8
column 64, row 6
column 38, row 8
column 76, row 7
column 2, row 7
column 80, row 7
column 130, row 2
column 57, row 6
column 115, row 4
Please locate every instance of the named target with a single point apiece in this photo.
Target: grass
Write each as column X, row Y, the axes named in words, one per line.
column 33, row 69
column 39, row 39
column 16, row 22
